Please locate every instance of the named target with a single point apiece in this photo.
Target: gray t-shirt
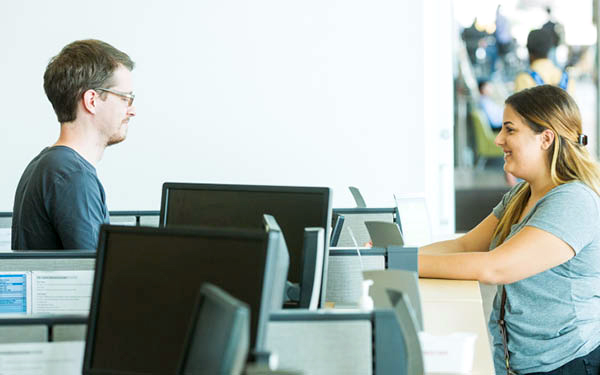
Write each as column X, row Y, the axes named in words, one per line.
column 554, row 317
column 59, row 203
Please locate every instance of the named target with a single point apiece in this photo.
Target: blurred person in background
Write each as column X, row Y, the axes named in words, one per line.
column 556, row 32
column 490, row 107
column 541, row 69
column 504, row 39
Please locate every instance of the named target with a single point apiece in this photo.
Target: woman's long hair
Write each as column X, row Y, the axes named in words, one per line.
column 549, row 107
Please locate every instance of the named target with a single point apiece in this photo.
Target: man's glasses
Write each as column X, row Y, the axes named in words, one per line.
column 122, row 94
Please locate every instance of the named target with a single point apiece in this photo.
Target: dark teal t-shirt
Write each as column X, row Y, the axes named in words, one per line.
column 59, row 203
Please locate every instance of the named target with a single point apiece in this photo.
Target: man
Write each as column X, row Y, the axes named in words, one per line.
column 60, row 202
column 542, row 70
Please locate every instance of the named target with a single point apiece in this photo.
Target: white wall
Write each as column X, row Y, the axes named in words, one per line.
column 439, row 113
column 313, row 92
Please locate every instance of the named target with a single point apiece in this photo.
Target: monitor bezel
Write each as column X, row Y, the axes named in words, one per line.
column 326, row 192
column 239, row 312
column 105, row 231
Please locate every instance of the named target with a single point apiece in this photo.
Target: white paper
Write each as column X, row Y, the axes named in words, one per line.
column 15, row 292
column 5, row 243
column 43, row 358
column 62, row 292
column 449, row 354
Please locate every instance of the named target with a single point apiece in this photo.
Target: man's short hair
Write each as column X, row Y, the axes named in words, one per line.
column 539, row 43
column 80, row 66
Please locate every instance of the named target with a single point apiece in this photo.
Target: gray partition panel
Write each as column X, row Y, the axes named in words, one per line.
column 390, row 349
column 145, row 218
column 65, row 260
column 123, row 220
column 405, row 322
column 42, row 328
column 325, row 348
column 70, row 332
column 38, row 264
column 403, row 258
column 5, row 239
column 5, row 230
column 319, row 343
column 406, row 282
column 150, row 221
column 344, row 274
column 26, row 333
column 322, row 342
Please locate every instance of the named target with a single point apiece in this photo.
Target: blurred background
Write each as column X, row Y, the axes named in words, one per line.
column 497, row 46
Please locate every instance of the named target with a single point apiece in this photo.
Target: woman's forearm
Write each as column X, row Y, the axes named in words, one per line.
column 443, row 247
column 458, row 266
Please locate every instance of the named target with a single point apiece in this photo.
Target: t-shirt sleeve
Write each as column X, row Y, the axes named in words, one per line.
column 78, row 209
column 570, row 214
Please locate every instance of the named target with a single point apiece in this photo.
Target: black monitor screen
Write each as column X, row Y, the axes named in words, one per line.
column 217, row 341
column 146, row 287
column 242, row 206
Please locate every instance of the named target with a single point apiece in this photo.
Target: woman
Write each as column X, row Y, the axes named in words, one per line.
column 543, row 240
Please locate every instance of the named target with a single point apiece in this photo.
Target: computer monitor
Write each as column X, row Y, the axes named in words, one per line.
column 146, row 284
column 218, row 335
column 336, row 225
column 242, row 206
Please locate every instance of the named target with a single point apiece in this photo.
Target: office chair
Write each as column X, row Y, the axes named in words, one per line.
column 484, row 139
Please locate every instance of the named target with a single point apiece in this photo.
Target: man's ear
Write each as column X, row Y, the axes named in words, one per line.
column 548, row 137
column 89, row 101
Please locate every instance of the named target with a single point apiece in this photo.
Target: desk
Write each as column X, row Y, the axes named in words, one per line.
column 449, row 290
column 455, row 305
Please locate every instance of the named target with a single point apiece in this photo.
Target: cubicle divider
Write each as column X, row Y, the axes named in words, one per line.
column 339, row 341
column 138, row 218
column 63, row 260
column 5, row 223
column 344, row 274
column 42, row 328
column 354, row 218
column 45, row 295
column 335, row 342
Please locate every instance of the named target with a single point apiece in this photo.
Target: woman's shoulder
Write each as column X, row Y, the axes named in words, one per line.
column 575, row 194
column 574, row 187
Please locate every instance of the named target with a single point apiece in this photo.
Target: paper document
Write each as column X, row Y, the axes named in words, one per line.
column 43, row 358
column 62, row 292
column 15, row 292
